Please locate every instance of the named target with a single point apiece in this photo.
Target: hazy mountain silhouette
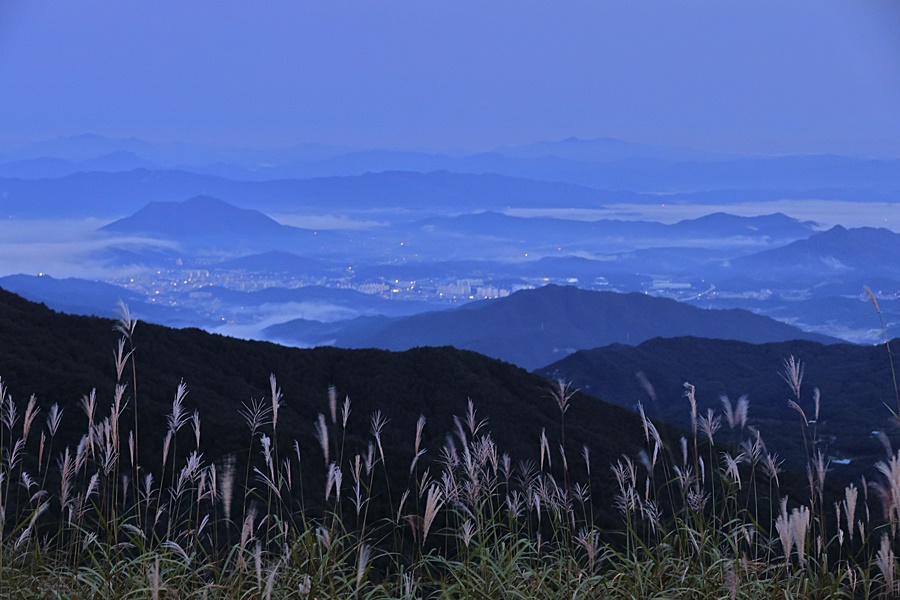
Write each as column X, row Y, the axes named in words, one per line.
column 838, row 305
column 88, row 146
column 100, row 194
column 114, row 194
column 532, row 328
column 601, row 163
column 839, row 251
column 627, row 268
column 95, row 298
column 606, row 149
column 207, row 221
column 643, row 175
column 776, row 226
column 716, row 226
column 37, row 168
column 200, row 215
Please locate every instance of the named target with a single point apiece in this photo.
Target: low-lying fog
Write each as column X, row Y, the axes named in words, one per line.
column 828, row 213
column 67, row 247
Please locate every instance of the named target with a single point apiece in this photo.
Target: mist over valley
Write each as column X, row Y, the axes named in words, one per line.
column 247, row 256
column 423, row 300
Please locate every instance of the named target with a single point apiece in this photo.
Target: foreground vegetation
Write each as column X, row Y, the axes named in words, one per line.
column 706, row 514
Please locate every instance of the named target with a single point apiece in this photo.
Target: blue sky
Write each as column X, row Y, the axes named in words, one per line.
column 767, row 76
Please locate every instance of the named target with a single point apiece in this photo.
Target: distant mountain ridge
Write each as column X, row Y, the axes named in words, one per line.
column 100, row 194
column 113, row 194
column 533, row 328
column 203, row 215
column 602, row 163
column 717, row 226
column 95, row 298
column 38, row 168
column 857, row 251
column 204, row 220
column 605, row 149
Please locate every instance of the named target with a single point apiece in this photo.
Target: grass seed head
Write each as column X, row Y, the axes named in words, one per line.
column 793, row 375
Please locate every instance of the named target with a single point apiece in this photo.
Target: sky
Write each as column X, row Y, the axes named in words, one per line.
column 767, row 76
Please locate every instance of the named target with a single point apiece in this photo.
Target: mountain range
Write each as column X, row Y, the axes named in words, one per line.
column 716, row 259
column 61, row 357
column 204, row 222
column 857, row 252
column 714, row 225
column 602, row 163
column 532, row 328
column 99, row 194
column 738, row 233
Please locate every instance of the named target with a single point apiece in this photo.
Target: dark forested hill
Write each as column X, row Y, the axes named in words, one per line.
column 61, row 357
column 857, row 394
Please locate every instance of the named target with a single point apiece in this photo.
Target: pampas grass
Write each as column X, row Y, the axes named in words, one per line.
column 469, row 520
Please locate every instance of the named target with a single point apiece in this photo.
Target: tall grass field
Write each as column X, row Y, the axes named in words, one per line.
column 704, row 513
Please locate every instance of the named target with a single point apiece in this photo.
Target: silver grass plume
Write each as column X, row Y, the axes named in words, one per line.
column 276, row 399
column 850, row 495
column 226, row 484
column 362, row 565
column 562, row 393
column 743, row 406
column 332, row 403
column 472, row 421
column 800, row 526
column 333, row 482
column 545, row 449
column 178, row 417
column 256, row 414
column 121, row 358
column 433, row 504
column 53, row 419
column 785, row 531
column 345, row 412
column 31, row 411
column 793, row 375
column 89, row 404
column 689, row 393
column 728, row 411
column 378, row 422
column 322, row 436
column 125, row 324
column 885, row 561
column 195, row 422
column 710, row 424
